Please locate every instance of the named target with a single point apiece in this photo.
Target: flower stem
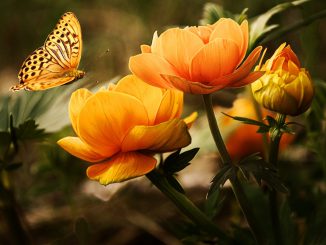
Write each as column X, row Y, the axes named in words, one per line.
column 273, row 159
column 236, row 185
column 215, row 131
column 187, row 207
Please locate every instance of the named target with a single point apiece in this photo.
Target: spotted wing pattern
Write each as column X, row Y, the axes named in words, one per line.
column 56, row 62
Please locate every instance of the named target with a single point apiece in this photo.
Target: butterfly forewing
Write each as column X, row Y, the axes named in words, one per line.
column 65, row 42
column 56, row 62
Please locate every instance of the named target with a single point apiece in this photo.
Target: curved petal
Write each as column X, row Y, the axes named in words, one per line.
column 178, row 46
column 242, row 72
column 149, row 96
column 79, row 149
column 77, row 101
column 189, row 120
column 226, row 28
column 217, row 58
column 148, row 67
column 191, row 87
column 245, row 32
column 171, row 106
column 164, row 137
column 247, row 80
column 145, row 48
column 121, row 167
column 203, row 32
column 106, row 117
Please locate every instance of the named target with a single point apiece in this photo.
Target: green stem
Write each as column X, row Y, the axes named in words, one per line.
column 236, row 185
column 273, row 197
column 187, row 207
column 11, row 215
column 215, row 131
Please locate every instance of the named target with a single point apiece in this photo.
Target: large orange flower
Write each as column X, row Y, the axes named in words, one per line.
column 120, row 128
column 198, row 60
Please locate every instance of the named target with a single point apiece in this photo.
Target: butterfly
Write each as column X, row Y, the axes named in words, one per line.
column 56, row 62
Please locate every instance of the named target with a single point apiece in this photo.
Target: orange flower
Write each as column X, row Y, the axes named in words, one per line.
column 286, row 87
column 198, row 60
column 121, row 128
column 242, row 139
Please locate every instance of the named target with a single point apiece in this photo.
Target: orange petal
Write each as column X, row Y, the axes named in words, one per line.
column 106, row 117
column 178, row 46
column 191, row 87
column 229, row 29
column 77, row 101
column 145, row 48
column 171, row 106
column 148, row 67
column 241, row 72
column 189, row 120
column 164, row 137
column 79, row 149
column 245, row 32
column 216, row 59
column 247, row 80
column 121, row 167
column 149, row 96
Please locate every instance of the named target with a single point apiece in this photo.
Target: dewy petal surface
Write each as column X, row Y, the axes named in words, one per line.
column 121, row 167
column 166, row 136
column 218, row 58
column 79, row 149
column 171, row 46
column 148, row 67
column 106, row 118
column 77, row 101
column 149, row 96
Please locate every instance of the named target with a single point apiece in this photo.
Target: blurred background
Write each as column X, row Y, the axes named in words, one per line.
column 59, row 204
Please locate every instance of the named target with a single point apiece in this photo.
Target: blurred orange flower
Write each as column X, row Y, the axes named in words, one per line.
column 198, row 60
column 242, row 139
column 121, row 128
column 286, row 87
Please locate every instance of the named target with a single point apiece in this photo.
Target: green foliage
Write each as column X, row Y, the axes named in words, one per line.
column 262, row 172
column 213, row 12
column 174, row 163
column 178, row 161
column 258, row 25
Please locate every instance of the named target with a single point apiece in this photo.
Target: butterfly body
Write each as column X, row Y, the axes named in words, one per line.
column 56, row 62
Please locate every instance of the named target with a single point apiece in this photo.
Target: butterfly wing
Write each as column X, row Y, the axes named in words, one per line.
column 56, row 62
column 65, row 42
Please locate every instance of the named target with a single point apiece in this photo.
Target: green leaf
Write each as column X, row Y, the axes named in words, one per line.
column 82, row 231
column 176, row 161
column 5, row 140
column 213, row 204
column 263, row 128
column 262, row 172
column 29, row 130
column 175, row 183
column 213, row 12
column 220, row 178
column 259, row 27
column 271, row 121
